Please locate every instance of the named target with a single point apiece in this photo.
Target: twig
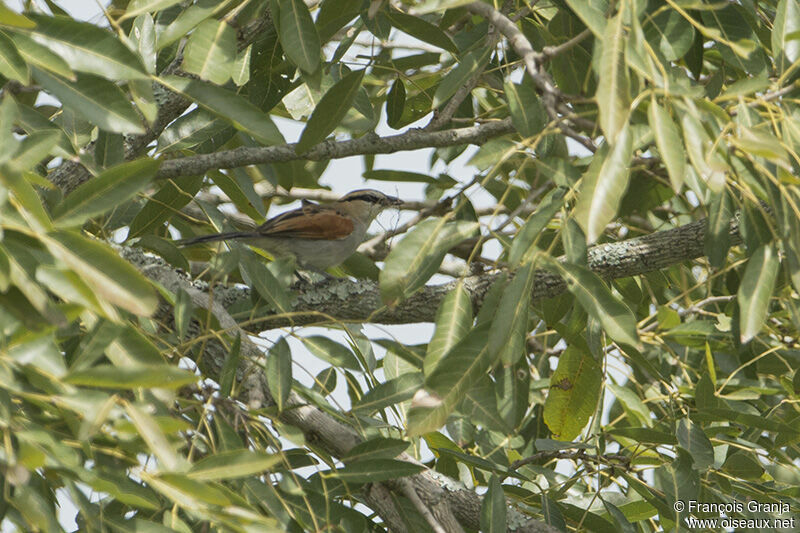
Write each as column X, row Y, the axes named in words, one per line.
column 412, row 495
column 609, row 459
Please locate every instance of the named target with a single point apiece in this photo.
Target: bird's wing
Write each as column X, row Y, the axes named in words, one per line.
column 309, row 222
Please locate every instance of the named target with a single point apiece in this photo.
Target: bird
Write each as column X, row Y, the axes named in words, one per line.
column 317, row 236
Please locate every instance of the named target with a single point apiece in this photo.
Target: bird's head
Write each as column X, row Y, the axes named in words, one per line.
column 366, row 204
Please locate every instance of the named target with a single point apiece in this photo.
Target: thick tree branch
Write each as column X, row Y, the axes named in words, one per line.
column 359, row 301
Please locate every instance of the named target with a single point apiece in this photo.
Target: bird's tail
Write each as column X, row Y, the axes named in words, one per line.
column 216, row 237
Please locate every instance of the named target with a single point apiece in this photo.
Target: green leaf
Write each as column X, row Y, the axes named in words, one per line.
column 717, row 238
column 755, row 290
column 693, row 439
column 527, row 112
column 524, row 241
column 228, row 373
column 398, row 175
column 139, row 7
column 279, row 372
column 113, row 278
column 12, row 65
column 602, row 191
column 150, row 432
column 330, row 111
column 592, row 13
column 422, row 30
column 375, row 470
column 298, row 35
column 493, row 508
column 453, row 322
column 211, row 51
column 41, row 56
column 613, row 98
column 99, row 101
column 257, row 276
column 510, row 324
column 331, row 351
column 616, row 318
column 456, row 373
column 470, row 64
column 182, row 312
column 390, row 392
column 188, row 20
column 228, row 105
column 395, row 103
column 232, row 464
column 785, row 28
column 34, row 148
column 87, row 47
column 573, row 394
column 109, row 149
column 743, row 465
column 669, row 144
column 165, row 203
column 669, row 32
column 376, row 448
column 104, row 192
column 417, row 257
column 147, row 376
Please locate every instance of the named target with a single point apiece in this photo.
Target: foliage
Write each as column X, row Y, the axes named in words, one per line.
column 634, row 344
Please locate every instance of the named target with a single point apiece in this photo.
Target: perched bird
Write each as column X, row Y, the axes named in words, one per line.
column 317, row 236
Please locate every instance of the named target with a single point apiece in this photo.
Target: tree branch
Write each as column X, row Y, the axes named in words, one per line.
column 360, row 301
column 368, row 144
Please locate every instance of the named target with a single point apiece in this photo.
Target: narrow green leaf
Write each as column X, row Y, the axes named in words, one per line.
column 232, row 464
column 109, row 149
column 527, row 112
column 471, row 63
column 165, row 203
column 785, row 42
column 108, row 190
column 417, row 257
column 398, row 175
column 256, row 275
column 669, row 144
column 331, row 351
column 395, row 103
column 616, row 318
column 717, row 238
column 493, row 508
column 375, row 470
column 422, row 30
column 573, row 395
column 183, row 313
column 41, row 56
column 87, row 47
column 113, row 278
column 34, row 148
column 694, row 440
column 510, row 324
column 154, row 437
column 602, row 192
column 376, row 448
column 196, row 13
column 592, row 13
column 298, row 35
column 148, row 376
column 12, row 18
column 613, row 87
column 139, row 7
column 279, row 372
column 453, row 322
column 12, row 65
column 211, row 51
column 228, row 105
column 330, row 110
column 755, row 290
column 228, row 373
column 456, row 373
column 525, row 239
column 99, row 101
column 390, row 392
column 702, row 153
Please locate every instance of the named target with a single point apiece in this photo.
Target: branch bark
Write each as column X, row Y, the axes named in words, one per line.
column 360, row 301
